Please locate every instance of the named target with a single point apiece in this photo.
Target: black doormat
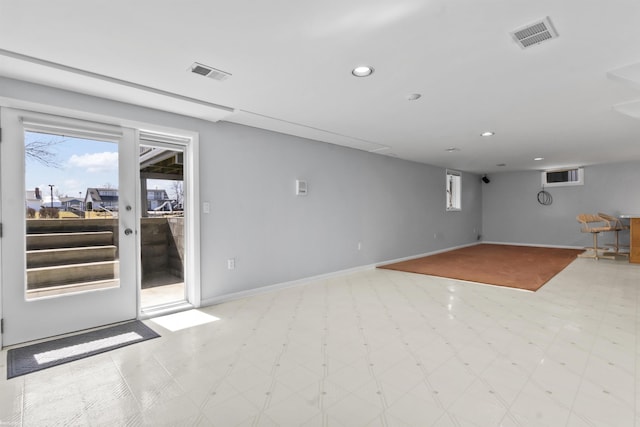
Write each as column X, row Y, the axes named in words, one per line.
column 35, row 357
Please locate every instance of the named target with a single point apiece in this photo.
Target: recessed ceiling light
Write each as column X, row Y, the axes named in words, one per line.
column 487, row 133
column 413, row 96
column 538, row 158
column 452, row 149
column 362, row 71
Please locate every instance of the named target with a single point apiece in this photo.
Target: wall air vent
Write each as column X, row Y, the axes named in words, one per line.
column 210, row 72
column 535, row 33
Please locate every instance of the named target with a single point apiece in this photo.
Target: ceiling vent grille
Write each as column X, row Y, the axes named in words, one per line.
column 535, row 33
column 210, row 72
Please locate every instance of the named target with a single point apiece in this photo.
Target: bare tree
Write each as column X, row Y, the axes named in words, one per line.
column 42, row 152
column 178, row 191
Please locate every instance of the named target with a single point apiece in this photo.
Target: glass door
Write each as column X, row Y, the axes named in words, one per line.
column 69, row 213
column 162, row 223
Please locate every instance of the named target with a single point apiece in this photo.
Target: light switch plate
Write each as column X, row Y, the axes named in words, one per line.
column 301, row 188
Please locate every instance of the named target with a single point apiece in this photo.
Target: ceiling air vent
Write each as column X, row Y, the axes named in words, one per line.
column 535, row 33
column 210, row 72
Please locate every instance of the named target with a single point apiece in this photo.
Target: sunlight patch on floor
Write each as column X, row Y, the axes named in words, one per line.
column 183, row 320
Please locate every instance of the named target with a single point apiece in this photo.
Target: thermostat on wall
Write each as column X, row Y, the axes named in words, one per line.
column 301, row 188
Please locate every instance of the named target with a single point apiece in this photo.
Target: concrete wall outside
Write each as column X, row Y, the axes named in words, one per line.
column 176, row 246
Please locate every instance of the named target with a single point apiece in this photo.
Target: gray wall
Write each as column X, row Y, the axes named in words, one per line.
column 512, row 214
column 395, row 208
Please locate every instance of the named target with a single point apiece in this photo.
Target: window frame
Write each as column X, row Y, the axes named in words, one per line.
column 453, row 190
column 579, row 181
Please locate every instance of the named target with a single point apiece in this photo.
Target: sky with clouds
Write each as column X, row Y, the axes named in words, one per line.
column 81, row 164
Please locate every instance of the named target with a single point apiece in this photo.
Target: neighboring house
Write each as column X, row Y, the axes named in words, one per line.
column 101, row 198
column 36, row 200
column 33, row 199
column 108, row 198
column 156, row 198
column 47, row 203
column 75, row 204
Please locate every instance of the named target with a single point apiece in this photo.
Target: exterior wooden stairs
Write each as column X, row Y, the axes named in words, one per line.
column 70, row 261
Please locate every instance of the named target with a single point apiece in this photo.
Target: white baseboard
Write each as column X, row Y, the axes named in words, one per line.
column 284, row 285
column 308, row 280
column 535, row 245
column 439, row 251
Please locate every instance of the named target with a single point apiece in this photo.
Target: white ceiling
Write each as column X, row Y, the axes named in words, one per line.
column 574, row 100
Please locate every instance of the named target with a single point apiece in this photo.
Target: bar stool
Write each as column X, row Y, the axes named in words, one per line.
column 618, row 226
column 595, row 225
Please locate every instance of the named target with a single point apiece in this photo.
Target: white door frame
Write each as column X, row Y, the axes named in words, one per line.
column 188, row 142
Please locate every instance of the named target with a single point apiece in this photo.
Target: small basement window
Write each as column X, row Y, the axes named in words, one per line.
column 454, row 190
column 563, row 177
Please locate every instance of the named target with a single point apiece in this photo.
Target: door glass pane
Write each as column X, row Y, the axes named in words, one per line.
column 71, row 215
column 162, row 225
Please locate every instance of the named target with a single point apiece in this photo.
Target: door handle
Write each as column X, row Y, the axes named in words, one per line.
column 128, row 231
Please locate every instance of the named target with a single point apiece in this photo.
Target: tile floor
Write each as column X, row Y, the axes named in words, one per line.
column 376, row 348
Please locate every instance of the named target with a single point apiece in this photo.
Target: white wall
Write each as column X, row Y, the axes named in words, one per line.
column 512, row 214
column 395, row 208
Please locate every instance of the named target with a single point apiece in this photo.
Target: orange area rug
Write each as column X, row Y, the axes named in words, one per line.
column 522, row 267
